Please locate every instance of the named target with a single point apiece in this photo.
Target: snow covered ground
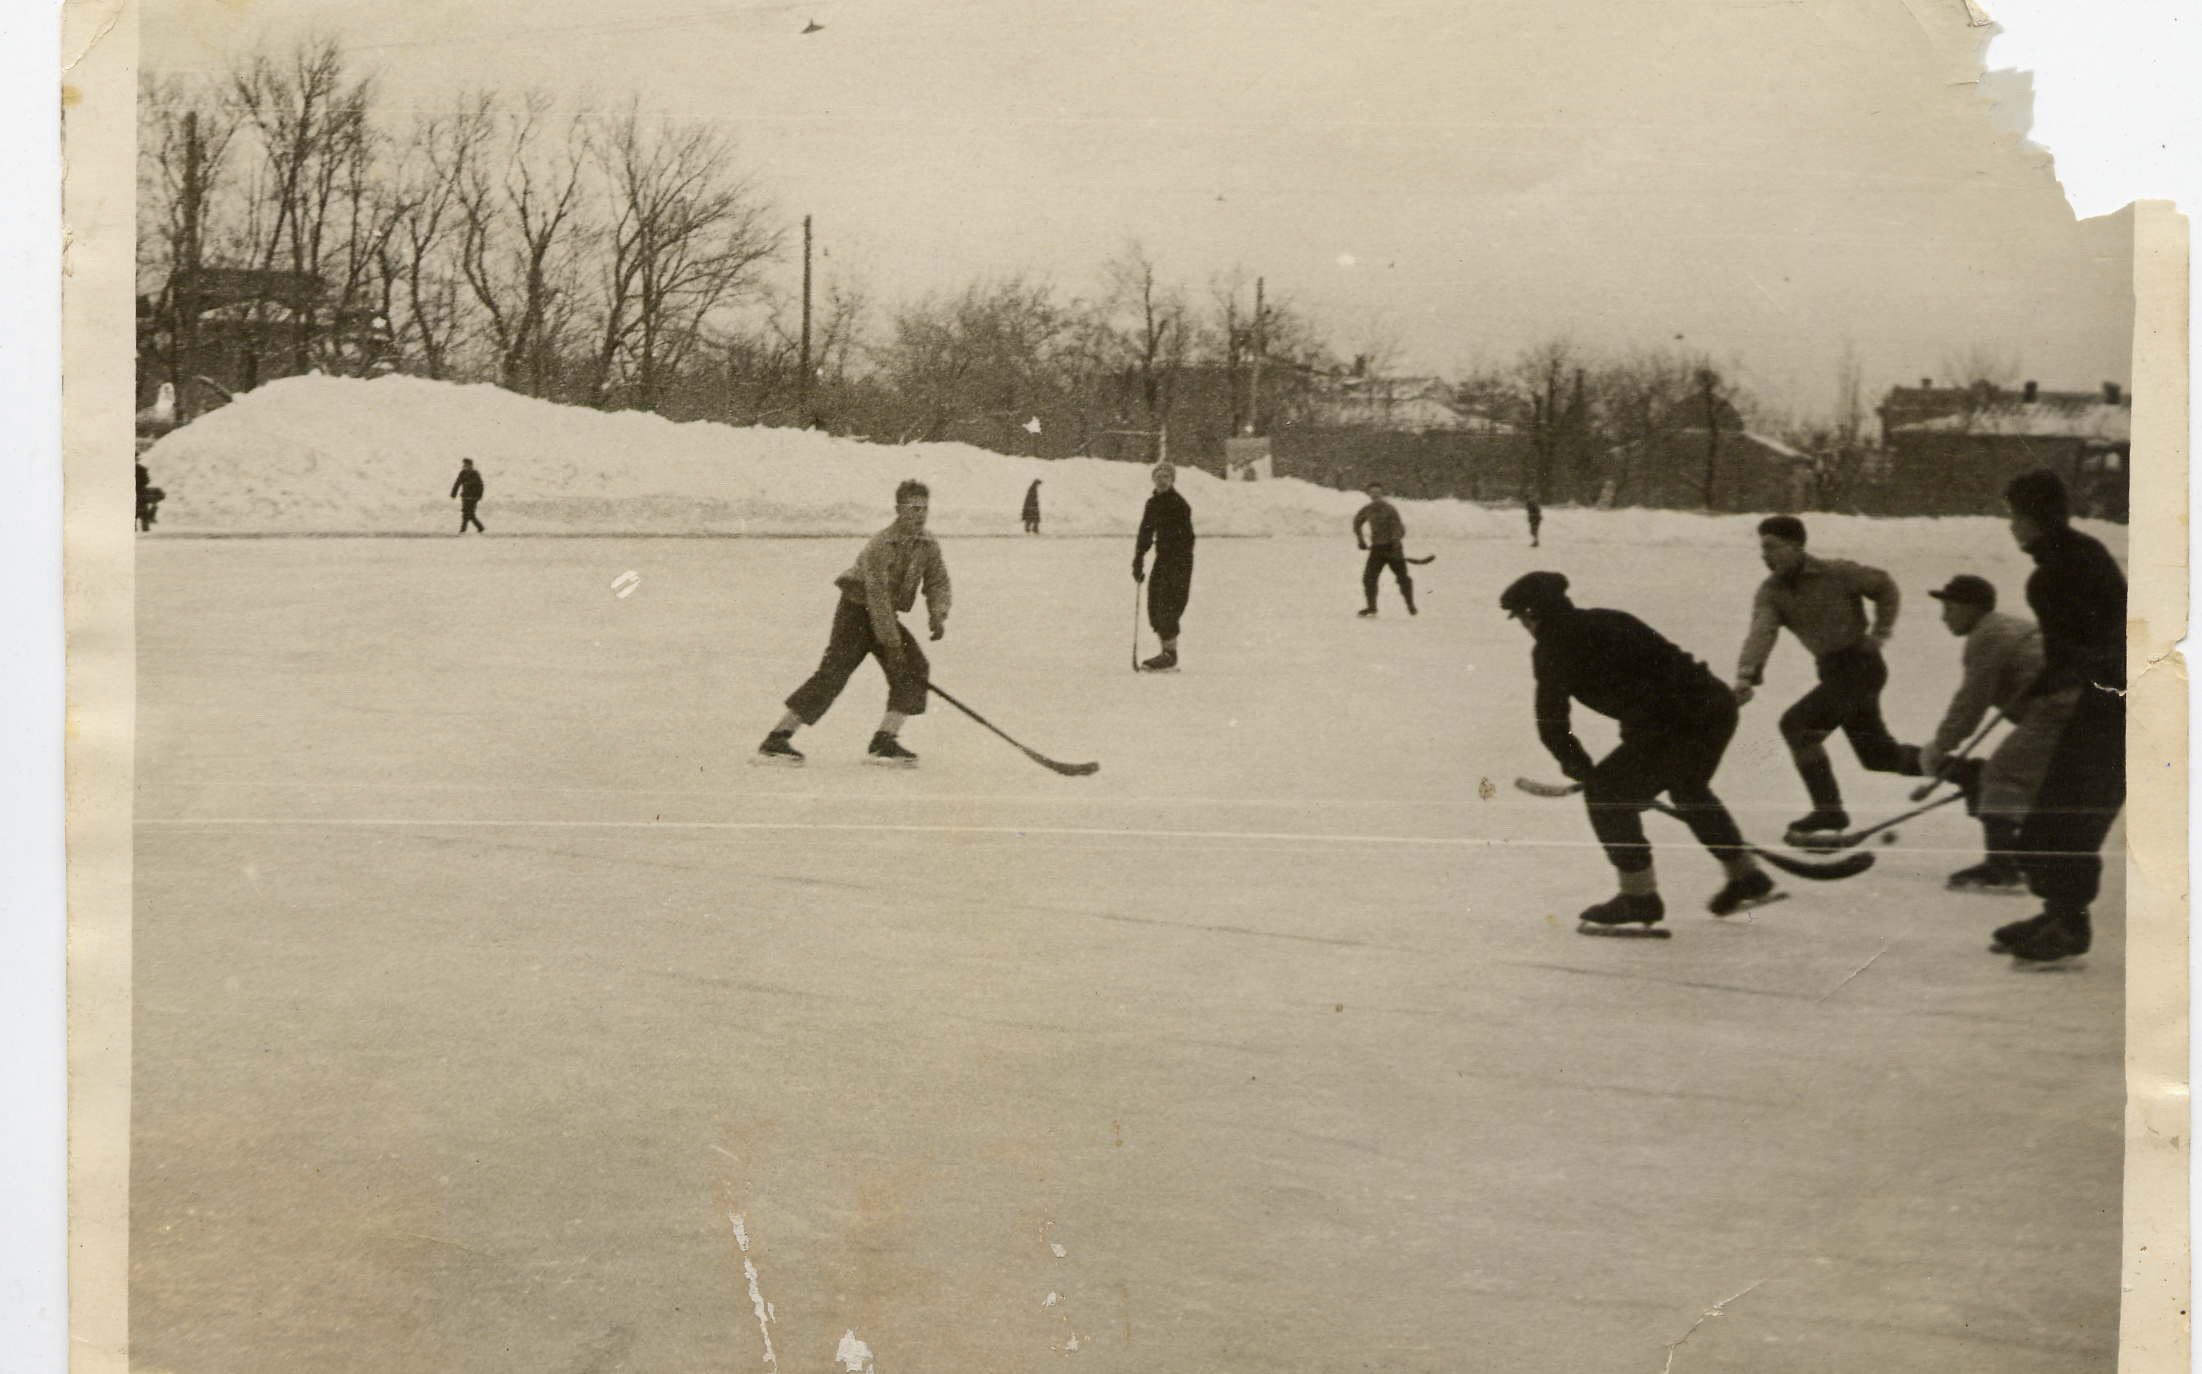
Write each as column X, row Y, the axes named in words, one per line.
column 493, row 1014
column 323, row 455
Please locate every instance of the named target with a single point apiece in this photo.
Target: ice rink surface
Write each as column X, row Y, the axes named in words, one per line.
column 492, row 1013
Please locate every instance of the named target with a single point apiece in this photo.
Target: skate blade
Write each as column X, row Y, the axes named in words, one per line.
column 1971, row 891
column 1768, row 900
column 1624, row 932
column 2071, row 963
column 1157, row 672
column 770, row 761
column 889, row 763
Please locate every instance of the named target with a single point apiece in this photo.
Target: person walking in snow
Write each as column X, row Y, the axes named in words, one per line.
column 467, row 486
column 1032, row 508
column 1166, row 526
column 1378, row 529
column 2002, row 658
column 896, row 565
column 1822, row 602
column 1676, row 721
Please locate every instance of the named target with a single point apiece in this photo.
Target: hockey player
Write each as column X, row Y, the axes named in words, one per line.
column 1378, row 530
column 1166, row 526
column 2002, row 658
column 1822, row 602
column 1676, row 720
column 2078, row 596
column 897, row 563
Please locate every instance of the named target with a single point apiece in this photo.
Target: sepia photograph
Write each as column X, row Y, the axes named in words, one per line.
column 890, row 685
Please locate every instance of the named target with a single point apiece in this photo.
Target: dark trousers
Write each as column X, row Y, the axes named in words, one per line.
column 466, row 515
column 1847, row 699
column 2061, row 840
column 1678, row 759
column 1169, row 587
column 1382, row 556
column 849, row 643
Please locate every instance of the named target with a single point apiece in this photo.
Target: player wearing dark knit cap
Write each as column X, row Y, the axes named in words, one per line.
column 1676, row 719
column 2078, row 596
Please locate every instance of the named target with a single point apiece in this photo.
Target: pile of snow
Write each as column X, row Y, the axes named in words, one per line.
column 327, row 455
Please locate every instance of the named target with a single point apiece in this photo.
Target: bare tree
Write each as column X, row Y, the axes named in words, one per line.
column 519, row 200
column 682, row 237
column 1143, row 327
column 309, row 118
column 420, row 267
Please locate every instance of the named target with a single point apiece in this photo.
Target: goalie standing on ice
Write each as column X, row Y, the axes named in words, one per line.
column 896, row 564
column 1676, row 720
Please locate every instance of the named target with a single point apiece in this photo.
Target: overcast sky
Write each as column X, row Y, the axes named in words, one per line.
column 1463, row 178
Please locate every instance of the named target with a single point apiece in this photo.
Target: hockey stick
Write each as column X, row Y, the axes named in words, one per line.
column 1849, row 838
column 1137, row 588
column 1920, row 792
column 1849, row 866
column 1068, row 770
column 1426, row 558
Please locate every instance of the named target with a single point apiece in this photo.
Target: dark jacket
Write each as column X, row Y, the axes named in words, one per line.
column 1032, row 502
column 468, row 484
column 1167, row 527
column 2079, row 600
column 1383, row 522
column 1618, row 666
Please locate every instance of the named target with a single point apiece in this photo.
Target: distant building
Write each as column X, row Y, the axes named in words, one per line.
column 1951, row 449
column 1396, row 405
column 1747, row 471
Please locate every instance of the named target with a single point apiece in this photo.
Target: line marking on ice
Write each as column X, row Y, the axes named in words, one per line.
column 845, row 827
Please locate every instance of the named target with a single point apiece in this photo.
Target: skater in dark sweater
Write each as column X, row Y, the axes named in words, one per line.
column 467, row 486
column 2001, row 660
column 1166, row 526
column 1032, row 508
column 1676, row 720
column 1536, row 519
column 2078, row 596
column 897, row 564
column 1822, row 602
column 1378, row 529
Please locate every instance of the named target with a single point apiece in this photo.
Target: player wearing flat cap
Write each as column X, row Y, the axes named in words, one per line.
column 2002, row 658
column 1676, row 719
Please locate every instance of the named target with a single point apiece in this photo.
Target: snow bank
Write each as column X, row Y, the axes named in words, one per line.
column 328, row 455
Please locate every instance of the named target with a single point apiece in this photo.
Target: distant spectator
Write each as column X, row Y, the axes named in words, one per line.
column 1032, row 508
column 468, row 488
column 1536, row 519
column 149, row 500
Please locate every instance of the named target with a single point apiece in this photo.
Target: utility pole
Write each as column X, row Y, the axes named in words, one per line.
column 183, row 271
column 1261, row 346
column 802, row 386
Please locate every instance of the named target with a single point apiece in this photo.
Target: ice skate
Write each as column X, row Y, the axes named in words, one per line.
column 2055, row 942
column 1164, row 662
column 1740, row 894
column 2017, row 932
column 1630, row 917
column 887, row 752
column 1366, row 613
column 778, row 751
column 1820, row 828
column 1991, row 878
